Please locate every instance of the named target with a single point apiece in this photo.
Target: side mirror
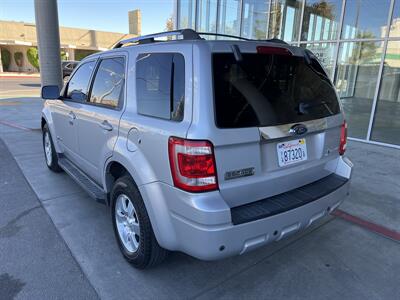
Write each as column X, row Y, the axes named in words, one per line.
column 50, row 92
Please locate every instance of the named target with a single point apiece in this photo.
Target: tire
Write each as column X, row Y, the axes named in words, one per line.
column 50, row 153
column 140, row 246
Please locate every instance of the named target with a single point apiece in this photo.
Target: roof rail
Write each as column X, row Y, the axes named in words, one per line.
column 187, row 34
column 224, row 35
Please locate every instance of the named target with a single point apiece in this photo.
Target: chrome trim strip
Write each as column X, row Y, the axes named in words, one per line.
column 281, row 131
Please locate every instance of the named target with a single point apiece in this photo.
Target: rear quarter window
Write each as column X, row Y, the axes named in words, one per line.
column 160, row 85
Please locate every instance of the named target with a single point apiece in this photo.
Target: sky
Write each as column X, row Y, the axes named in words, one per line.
column 106, row 15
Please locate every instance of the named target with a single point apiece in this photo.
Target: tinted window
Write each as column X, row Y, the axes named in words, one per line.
column 160, row 85
column 108, row 86
column 78, row 85
column 268, row 90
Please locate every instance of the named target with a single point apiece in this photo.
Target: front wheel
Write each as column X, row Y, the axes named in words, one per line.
column 132, row 226
column 50, row 153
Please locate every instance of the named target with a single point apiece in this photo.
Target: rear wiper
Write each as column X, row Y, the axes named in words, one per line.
column 303, row 107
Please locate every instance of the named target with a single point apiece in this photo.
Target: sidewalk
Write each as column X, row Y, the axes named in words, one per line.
column 35, row 262
column 19, row 75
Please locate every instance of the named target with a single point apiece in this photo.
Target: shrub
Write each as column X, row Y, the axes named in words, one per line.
column 63, row 55
column 33, row 57
column 18, row 58
column 5, row 59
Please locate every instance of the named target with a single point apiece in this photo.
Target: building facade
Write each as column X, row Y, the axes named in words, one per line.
column 357, row 41
column 76, row 43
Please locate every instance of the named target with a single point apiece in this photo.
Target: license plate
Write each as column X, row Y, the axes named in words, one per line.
column 291, row 152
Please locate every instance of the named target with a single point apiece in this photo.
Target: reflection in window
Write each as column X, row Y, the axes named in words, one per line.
column 187, row 14
column 365, row 18
column 109, row 82
column 358, row 65
column 284, row 20
column 325, row 54
column 386, row 126
column 207, row 15
column 78, row 85
column 395, row 24
column 254, row 15
column 321, row 18
column 229, row 17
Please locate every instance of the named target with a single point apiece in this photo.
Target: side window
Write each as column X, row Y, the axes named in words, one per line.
column 108, row 86
column 160, row 85
column 78, row 85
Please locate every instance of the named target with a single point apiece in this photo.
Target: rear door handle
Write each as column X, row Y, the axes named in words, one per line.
column 106, row 126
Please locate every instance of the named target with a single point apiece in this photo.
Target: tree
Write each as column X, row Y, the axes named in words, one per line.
column 33, row 57
column 169, row 26
column 5, row 59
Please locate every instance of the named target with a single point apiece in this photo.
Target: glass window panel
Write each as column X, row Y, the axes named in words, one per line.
column 229, row 17
column 284, row 22
column 78, row 85
column 207, row 16
column 395, row 24
column 108, row 86
column 366, row 18
column 356, row 78
column 327, row 14
column 254, row 24
column 187, row 14
column 325, row 53
column 386, row 126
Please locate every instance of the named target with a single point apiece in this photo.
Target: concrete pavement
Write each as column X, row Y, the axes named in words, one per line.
column 35, row 262
column 334, row 259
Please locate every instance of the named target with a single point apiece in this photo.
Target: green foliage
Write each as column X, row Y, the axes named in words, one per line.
column 18, row 58
column 33, row 57
column 63, row 55
column 5, row 59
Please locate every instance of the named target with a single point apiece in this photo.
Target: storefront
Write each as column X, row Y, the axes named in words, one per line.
column 358, row 42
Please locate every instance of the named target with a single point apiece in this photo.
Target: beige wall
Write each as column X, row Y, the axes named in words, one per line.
column 80, row 38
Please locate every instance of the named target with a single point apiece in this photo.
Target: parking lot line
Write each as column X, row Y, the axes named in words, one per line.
column 389, row 233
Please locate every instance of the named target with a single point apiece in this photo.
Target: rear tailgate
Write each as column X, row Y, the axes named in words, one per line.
column 279, row 121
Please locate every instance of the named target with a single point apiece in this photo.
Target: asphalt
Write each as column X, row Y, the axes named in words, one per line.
column 35, row 262
column 333, row 259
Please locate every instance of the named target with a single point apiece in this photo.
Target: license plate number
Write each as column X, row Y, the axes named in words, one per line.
column 291, row 152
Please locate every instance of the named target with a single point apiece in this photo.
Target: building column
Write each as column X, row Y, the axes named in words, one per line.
column 1, row 64
column 48, row 36
column 71, row 53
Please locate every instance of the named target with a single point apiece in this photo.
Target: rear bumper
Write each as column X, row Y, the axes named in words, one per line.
column 202, row 226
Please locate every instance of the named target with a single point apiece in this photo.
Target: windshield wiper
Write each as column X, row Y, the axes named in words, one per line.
column 303, row 107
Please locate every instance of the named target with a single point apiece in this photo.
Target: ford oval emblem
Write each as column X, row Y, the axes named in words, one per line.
column 298, row 129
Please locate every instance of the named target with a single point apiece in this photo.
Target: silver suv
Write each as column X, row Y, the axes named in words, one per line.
column 209, row 147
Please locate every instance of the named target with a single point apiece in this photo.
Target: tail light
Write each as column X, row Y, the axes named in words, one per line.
column 343, row 138
column 192, row 165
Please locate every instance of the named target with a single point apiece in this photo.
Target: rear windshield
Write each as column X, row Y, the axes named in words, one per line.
column 268, row 89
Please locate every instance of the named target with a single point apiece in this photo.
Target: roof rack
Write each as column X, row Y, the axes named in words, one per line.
column 187, row 34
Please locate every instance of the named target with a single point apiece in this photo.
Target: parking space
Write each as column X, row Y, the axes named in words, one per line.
column 333, row 259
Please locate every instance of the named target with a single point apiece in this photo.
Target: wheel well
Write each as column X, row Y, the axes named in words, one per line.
column 114, row 171
column 43, row 123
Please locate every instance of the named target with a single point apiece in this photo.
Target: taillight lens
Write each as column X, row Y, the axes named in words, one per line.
column 343, row 138
column 192, row 165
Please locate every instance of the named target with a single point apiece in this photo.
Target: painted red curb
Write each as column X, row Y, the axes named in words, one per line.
column 389, row 233
column 15, row 125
